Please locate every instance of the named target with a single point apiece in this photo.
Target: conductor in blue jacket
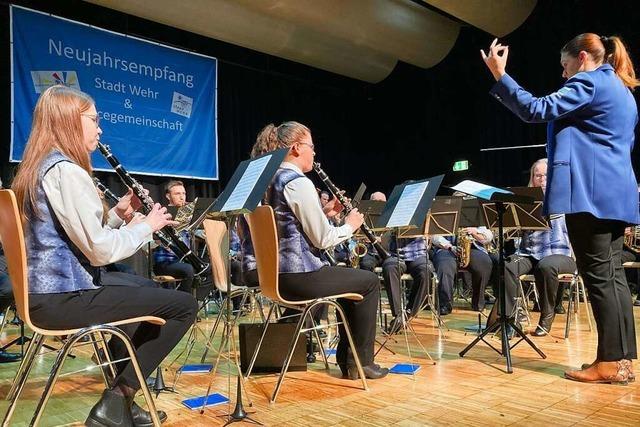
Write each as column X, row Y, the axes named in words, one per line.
column 590, row 135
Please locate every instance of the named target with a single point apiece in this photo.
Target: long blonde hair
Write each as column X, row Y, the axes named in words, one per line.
column 533, row 170
column 56, row 125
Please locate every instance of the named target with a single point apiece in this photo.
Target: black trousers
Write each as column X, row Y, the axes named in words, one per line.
column 391, row 272
column 545, row 272
column 597, row 245
column 179, row 270
column 446, row 264
column 369, row 262
column 361, row 315
column 111, row 303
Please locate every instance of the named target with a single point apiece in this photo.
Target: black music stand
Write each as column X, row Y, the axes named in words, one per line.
column 501, row 198
column 242, row 195
column 406, row 210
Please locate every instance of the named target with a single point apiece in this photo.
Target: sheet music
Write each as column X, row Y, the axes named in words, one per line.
column 481, row 191
column 246, row 184
column 407, row 204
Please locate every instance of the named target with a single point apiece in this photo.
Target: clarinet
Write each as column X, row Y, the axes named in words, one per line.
column 158, row 235
column 384, row 254
column 174, row 242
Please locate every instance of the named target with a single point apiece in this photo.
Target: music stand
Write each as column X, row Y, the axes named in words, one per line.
column 501, row 198
column 242, row 195
column 407, row 209
column 519, row 216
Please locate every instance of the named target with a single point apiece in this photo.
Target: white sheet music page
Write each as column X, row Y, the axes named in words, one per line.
column 407, row 204
column 246, row 184
column 481, row 191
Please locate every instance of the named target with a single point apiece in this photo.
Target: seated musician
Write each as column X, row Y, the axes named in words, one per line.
column 165, row 262
column 445, row 260
column 66, row 241
column 543, row 253
column 413, row 260
column 371, row 259
column 303, row 230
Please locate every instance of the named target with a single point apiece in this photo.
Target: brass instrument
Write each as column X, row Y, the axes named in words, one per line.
column 184, row 215
column 632, row 240
column 464, row 241
column 356, row 253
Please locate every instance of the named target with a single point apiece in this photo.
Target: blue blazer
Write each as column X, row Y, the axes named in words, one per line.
column 590, row 135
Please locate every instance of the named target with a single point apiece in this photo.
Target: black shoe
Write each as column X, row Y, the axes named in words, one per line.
column 539, row 332
column 637, row 303
column 394, row 326
column 489, row 299
column 112, row 410
column 559, row 309
column 371, row 372
column 142, row 418
column 444, row 310
column 9, row 357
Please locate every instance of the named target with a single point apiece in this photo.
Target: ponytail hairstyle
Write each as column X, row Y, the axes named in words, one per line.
column 605, row 49
column 273, row 137
column 56, row 126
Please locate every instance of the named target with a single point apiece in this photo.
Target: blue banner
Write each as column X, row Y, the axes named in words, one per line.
column 157, row 105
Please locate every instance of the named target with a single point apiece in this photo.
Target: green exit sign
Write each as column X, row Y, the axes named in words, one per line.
column 461, row 165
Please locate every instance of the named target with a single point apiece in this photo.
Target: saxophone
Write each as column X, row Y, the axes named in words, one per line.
column 184, row 215
column 356, row 252
column 464, row 248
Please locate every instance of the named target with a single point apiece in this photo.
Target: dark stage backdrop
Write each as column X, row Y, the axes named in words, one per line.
column 412, row 125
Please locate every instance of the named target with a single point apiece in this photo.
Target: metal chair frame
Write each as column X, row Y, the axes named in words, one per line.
column 15, row 251
column 265, row 240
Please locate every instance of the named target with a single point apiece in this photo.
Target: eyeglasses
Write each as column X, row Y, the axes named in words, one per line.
column 312, row 146
column 94, row 117
column 540, row 176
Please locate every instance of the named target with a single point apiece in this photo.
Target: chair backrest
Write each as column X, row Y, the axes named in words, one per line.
column 218, row 247
column 264, row 237
column 15, row 251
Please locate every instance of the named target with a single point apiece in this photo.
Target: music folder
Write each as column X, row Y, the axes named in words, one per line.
column 248, row 184
column 408, row 204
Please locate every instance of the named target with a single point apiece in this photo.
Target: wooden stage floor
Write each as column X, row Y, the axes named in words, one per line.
column 473, row 390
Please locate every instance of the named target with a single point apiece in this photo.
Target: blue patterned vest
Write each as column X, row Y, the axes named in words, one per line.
column 246, row 247
column 297, row 254
column 56, row 265
column 411, row 249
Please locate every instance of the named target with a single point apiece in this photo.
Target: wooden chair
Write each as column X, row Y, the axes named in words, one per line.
column 265, row 240
column 218, row 249
column 15, row 251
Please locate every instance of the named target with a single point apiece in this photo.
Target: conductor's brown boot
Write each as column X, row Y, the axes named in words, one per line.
column 616, row 372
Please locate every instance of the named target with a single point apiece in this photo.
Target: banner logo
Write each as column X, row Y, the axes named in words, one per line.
column 45, row 79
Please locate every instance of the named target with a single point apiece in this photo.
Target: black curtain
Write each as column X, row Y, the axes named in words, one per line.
column 412, row 125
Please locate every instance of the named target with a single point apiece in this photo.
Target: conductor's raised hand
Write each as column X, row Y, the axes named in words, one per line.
column 496, row 59
column 159, row 217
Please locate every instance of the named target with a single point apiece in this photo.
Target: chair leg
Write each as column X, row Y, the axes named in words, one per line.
column 569, row 308
column 257, row 349
column 151, row 406
column 213, row 332
column 103, row 359
column 586, row 302
column 347, row 329
column 320, row 344
column 292, row 346
column 29, row 354
column 4, row 319
column 21, row 376
column 55, row 372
